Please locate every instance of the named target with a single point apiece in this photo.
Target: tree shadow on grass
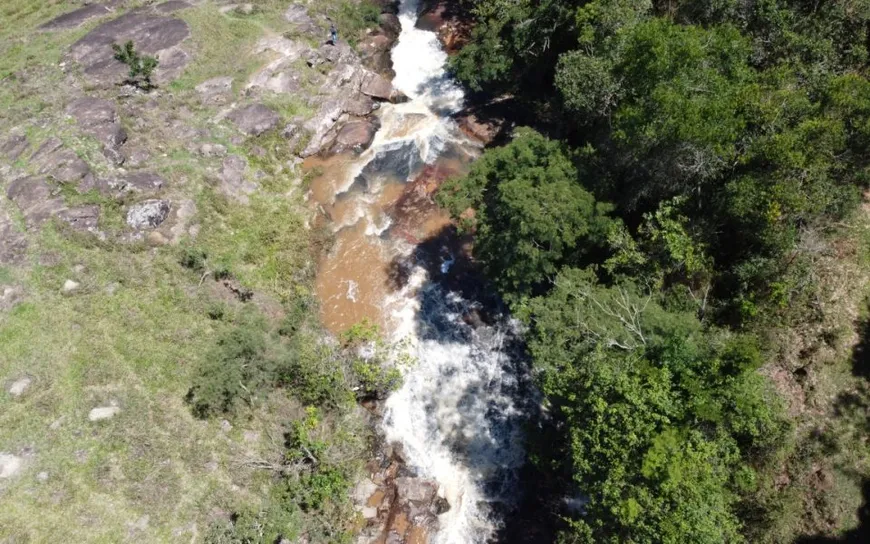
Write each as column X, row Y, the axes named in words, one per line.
column 861, row 534
column 853, row 406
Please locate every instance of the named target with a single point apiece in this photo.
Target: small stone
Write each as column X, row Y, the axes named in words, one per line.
column 42, row 476
column 369, row 512
column 79, row 268
column 212, row 150
column 103, row 412
column 55, row 425
column 20, row 386
column 226, row 426
column 70, row 286
column 10, row 465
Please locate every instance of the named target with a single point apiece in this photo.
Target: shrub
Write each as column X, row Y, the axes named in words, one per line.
column 236, row 365
column 141, row 66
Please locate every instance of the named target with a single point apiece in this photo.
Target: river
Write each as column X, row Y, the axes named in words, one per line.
column 397, row 261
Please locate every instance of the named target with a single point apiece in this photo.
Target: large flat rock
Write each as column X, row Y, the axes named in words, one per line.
column 76, row 18
column 152, row 34
column 254, row 119
column 38, row 200
column 53, row 159
column 98, row 118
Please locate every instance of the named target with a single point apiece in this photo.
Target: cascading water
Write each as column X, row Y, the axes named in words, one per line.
column 459, row 411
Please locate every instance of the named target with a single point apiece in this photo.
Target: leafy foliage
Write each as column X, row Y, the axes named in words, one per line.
column 732, row 139
column 663, row 419
column 525, row 196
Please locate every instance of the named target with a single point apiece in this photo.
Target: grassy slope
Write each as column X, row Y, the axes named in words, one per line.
column 139, row 327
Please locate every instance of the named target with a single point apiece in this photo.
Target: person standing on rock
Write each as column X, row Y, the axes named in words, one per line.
column 333, row 34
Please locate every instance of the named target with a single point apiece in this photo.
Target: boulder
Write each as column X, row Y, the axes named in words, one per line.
column 98, row 118
column 254, row 119
column 377, row 86
column 391, row 25
column 14, row 146
column 76, row 18
column 215, row 90
column 376, row 54
column 320, row 126
column 152, row 35
column 233, row 182
column 20, row 386
column 173, row 61
column 281, row 75
column 148, row 214
column 241, row 9
column 13, row 243
column 356, row 136
column 10, row 465
column 415, row 490
column 359, row 105
column 55, row 160
column 481, row 129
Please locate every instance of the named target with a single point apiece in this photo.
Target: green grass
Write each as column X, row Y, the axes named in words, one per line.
column 141, row 324
column 223, row 44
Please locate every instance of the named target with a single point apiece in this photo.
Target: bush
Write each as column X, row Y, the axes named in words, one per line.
column 141, row 67
column 235, row 367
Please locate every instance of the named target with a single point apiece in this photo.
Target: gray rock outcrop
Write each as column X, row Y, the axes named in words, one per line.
column 148, row 214
column 152, row 34
column 254, row 119
column 102, row 413
column 233, row 182
column 13, row 243
column 215, row 90
column 355, row 136
column 55, row 160
column 76, row 18
column 99, row 118
column 14, row 146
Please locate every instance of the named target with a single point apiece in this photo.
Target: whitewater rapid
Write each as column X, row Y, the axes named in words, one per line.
column 458, row 413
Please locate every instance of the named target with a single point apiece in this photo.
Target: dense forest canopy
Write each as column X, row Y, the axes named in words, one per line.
column 690, row 163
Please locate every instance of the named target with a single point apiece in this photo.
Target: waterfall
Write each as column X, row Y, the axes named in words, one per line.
column 458, row 412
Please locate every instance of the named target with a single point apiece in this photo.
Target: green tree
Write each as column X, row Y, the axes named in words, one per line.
column 141, row 66
column 662, row 419
column 530, row 213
